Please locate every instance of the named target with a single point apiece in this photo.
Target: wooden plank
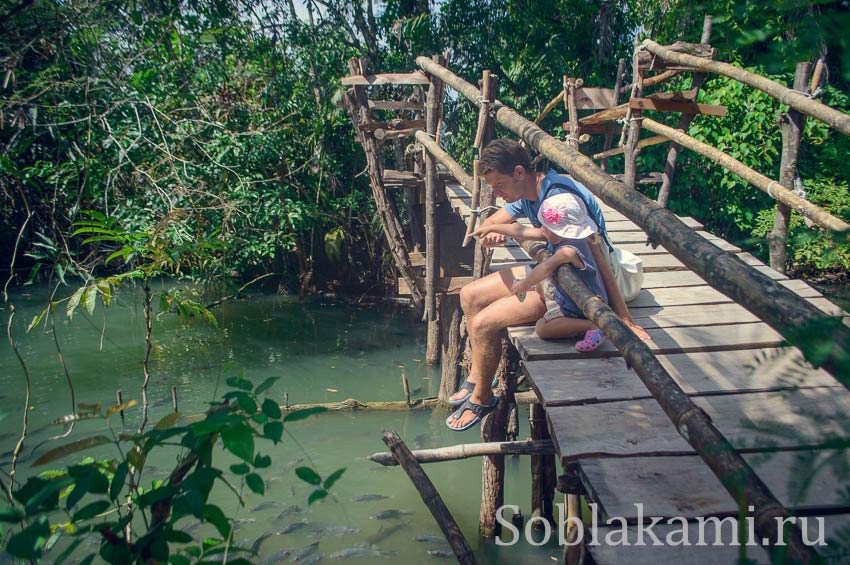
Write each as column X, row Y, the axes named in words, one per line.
column 750, row 421
column 396, row 105
column 597, row 128
column 594, row 98
column 416, row 77
column 663, row 340
column 588, row 381
column 620, row 111
column 627, row 551
column 676, row 106
column 685, row 486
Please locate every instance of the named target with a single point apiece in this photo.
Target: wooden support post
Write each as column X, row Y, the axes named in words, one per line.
column 405, row 387
column 483, row 136
column 494, row 428
column 684, row 124
column 174, row 398
column 433, row 101
column 431, row 498
column 609, row 136
column 542, row 469
column 476, row 202
column 451, row 368
column 791, row 124
column 633, row 125
column 358, row 109
column 570, row 85
column 411, row 201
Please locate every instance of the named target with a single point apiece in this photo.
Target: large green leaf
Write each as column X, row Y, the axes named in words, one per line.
column 255, row 483
column 308, row 475
column 239, row 440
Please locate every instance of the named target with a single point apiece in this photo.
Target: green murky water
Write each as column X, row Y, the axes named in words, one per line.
column 314, row 346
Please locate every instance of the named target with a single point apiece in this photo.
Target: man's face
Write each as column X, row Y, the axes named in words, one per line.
column 508, row 187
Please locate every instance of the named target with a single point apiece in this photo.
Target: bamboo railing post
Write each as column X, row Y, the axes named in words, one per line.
column 609, row 136
column 358, row 110
column 799, row 101
column 494, row 428
column 542, row 469
column 684, row 124
column 431, row 498
column 433, row 101
column 791, row 125
column 467, row 450
column 483, row 136
column 632, row 125
column 476, row 202
column 570, row 85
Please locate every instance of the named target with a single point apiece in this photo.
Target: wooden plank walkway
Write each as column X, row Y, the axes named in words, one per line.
column 761, row 394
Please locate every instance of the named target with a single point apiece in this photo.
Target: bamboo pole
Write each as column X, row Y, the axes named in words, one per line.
column 476, row 202
column 489, row 89
column 483, row 113
column 431, row 498
column 771, row 187
column 469, row 450
column 799, row 101
column 651, row 81
column 609, row 136
column 645, row 142
column 690, row 421
column 433, row 100
column 549, row 107
column 570, row 85
column 358, row 109
column 633, row 122
column 791, row 124
column 683, row 125
column 778, row 306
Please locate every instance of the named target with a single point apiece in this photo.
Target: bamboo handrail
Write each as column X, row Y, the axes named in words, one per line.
column 778, row 306
column 788, row 96
column 467, row 450
column 773, row 188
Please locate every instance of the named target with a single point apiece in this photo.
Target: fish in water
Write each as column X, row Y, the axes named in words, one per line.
column 441, row 552
column 278, row 556
column 294, row 509
column 388, row 514
column 266, row 506
column 304, row 552
column 292, row 464
column 159, row 403
column 335, row 530
column 368, row 497
column 258, row 543
column 294, row 526
column 310, row 559
column 358, row 552
column 429, row 538
column 383, row 533
column 422, row 440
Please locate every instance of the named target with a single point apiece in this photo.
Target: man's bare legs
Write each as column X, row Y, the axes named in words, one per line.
column 485, row 327
column 478, row 295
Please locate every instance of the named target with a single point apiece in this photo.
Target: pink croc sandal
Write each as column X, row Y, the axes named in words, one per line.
column 592, row 340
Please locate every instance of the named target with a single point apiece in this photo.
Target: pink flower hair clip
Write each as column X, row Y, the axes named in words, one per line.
column 551, row 215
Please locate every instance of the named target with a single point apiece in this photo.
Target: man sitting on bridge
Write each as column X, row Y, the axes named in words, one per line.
column 488, row 303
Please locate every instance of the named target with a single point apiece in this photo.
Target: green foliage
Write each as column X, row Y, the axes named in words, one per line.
column 104, row 496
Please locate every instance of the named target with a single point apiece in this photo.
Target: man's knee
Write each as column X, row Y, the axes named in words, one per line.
column 481, row 326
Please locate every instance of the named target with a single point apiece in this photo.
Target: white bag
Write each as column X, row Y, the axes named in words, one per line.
column 628, row 272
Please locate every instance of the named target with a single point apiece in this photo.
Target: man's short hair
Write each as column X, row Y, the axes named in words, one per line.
column 501, row 156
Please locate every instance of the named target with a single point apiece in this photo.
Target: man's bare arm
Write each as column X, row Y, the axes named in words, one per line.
column 497, row 218
column 513, row 230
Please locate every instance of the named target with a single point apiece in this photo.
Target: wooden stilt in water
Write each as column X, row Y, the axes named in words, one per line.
column 451, row 317
column 542, row 469
column 433, row 100
column 120, row 398
column 494, row 428
column 431, row 498
column 174, row 398
column 791, row 124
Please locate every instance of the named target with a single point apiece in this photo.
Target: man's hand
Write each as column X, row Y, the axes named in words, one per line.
column 638, row 331
column 488, row 237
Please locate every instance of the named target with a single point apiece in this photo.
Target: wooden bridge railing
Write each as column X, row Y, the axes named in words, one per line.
column 779, row 307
